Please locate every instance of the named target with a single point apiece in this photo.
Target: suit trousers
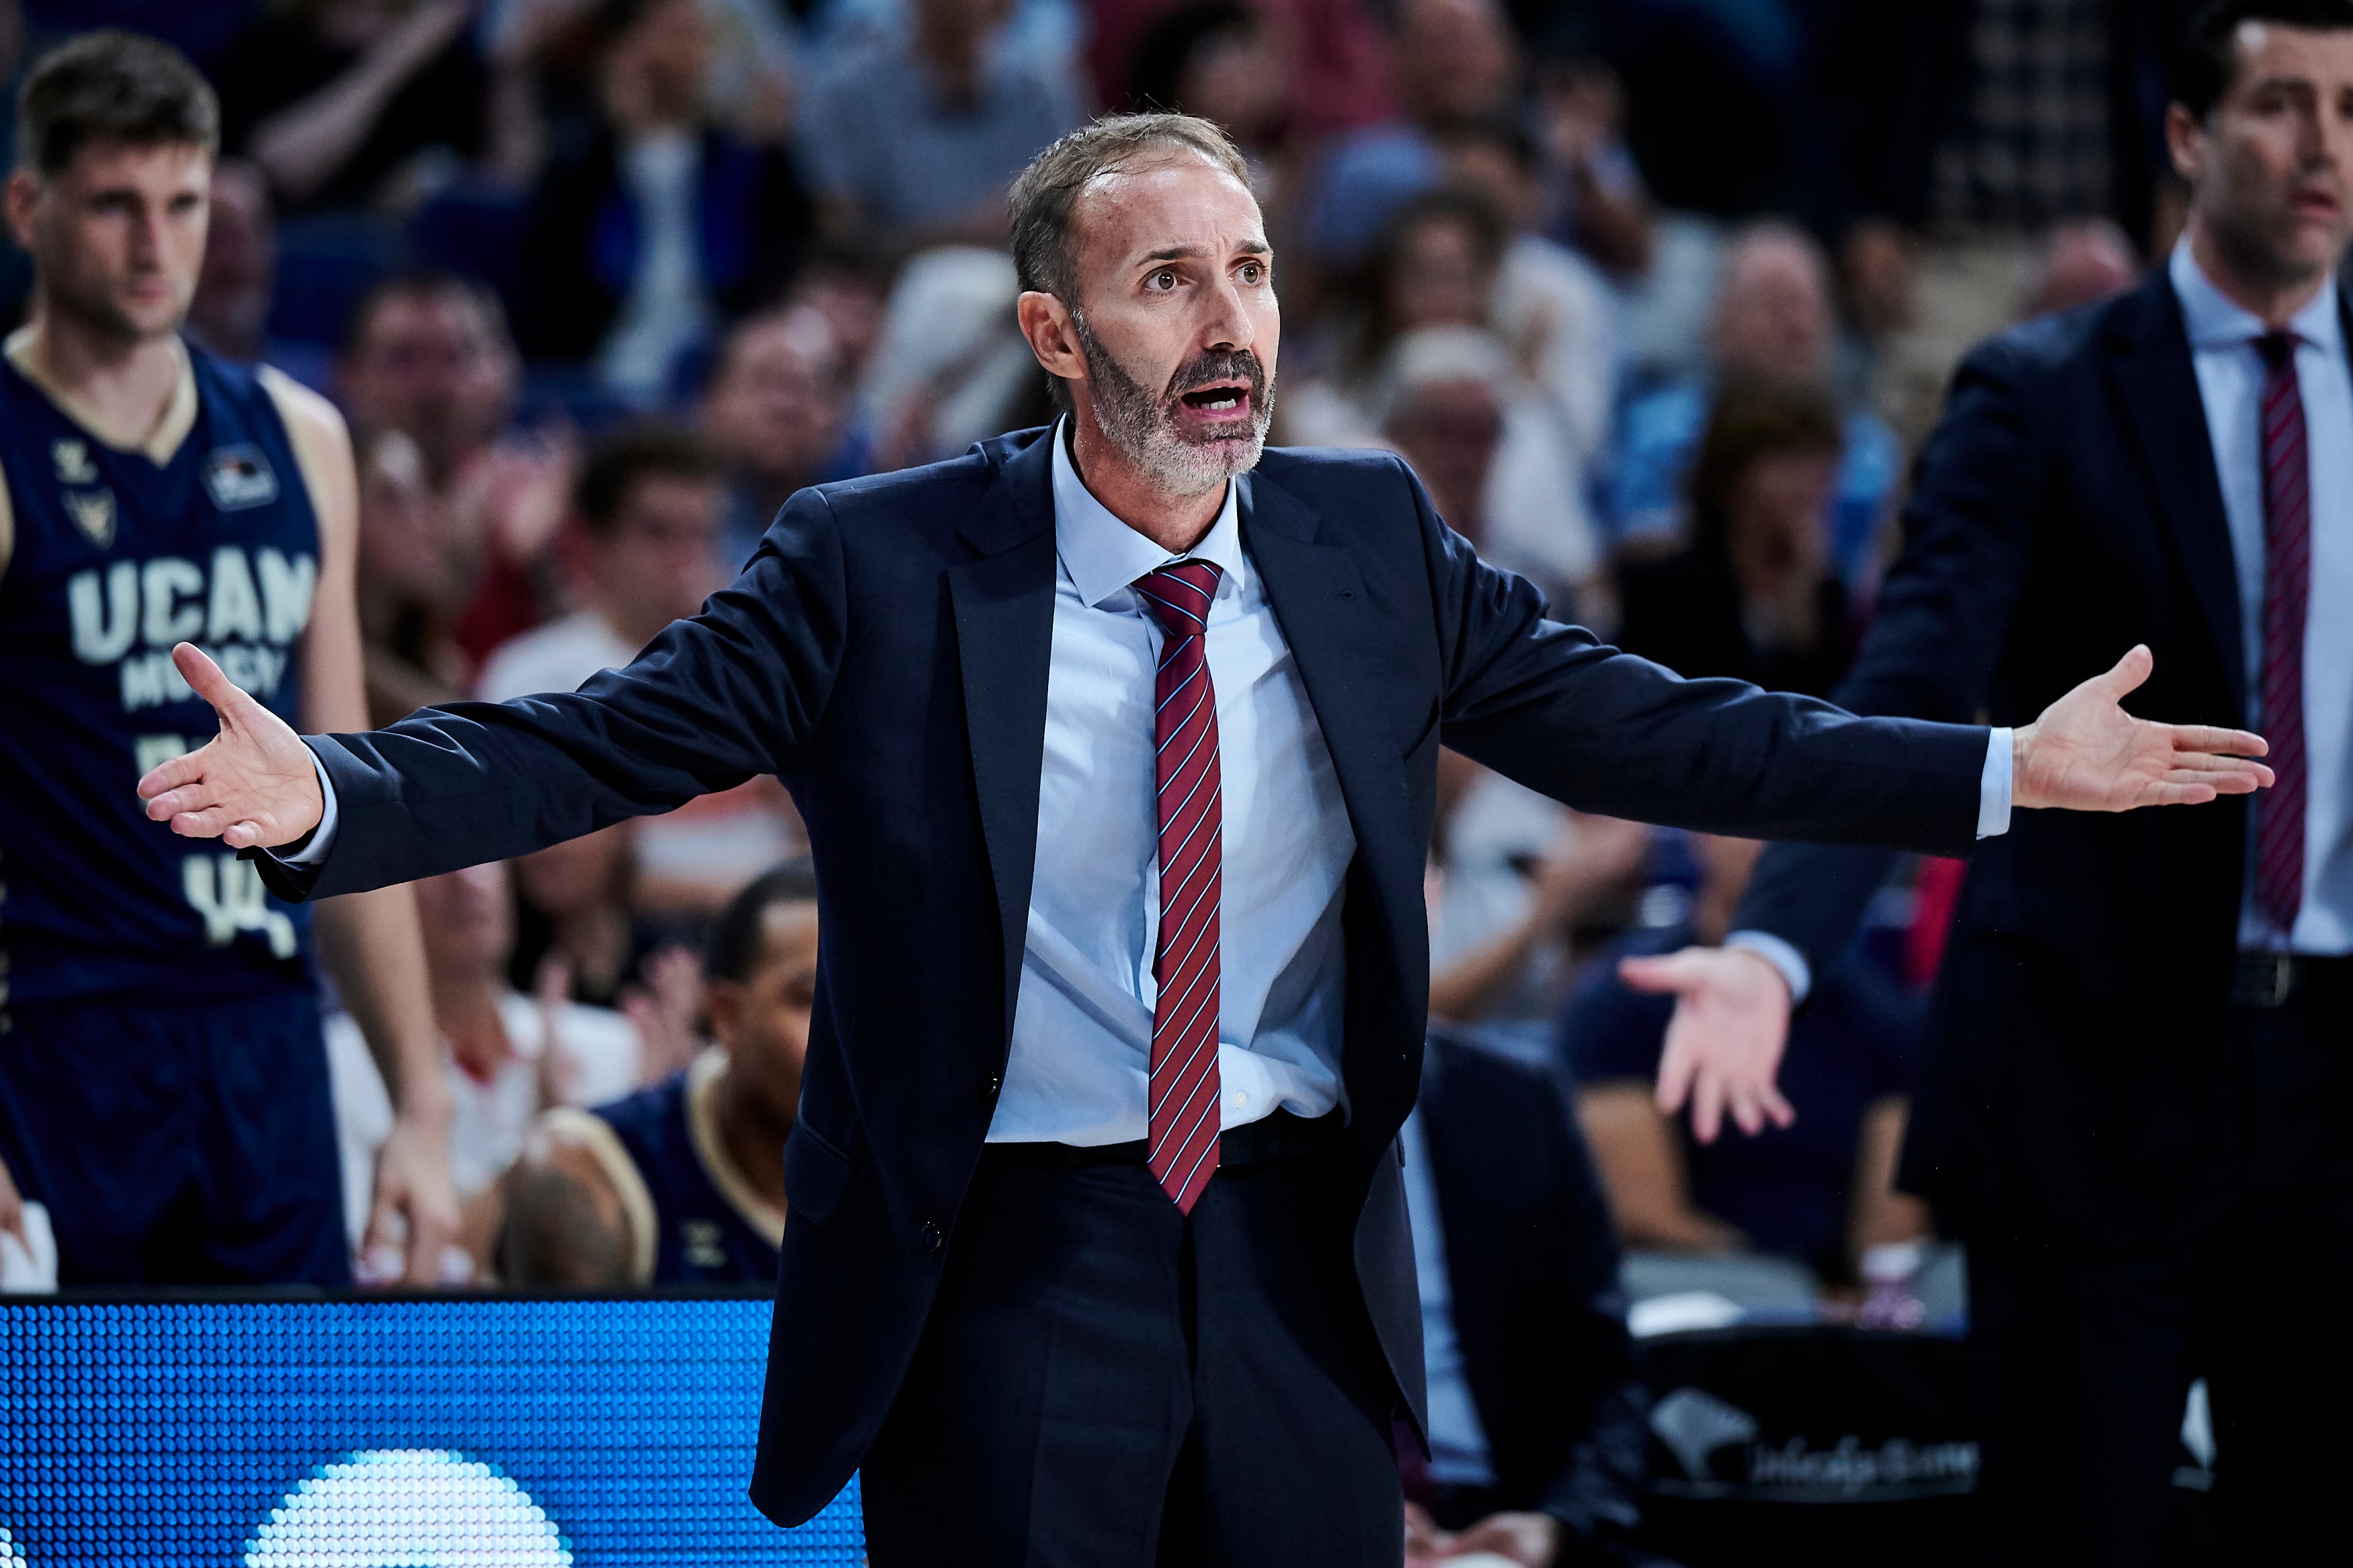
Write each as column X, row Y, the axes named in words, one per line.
column 1107, row 1383
column 2086, row 1355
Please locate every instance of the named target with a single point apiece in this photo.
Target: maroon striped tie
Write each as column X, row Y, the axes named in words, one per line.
column 2287, row 572
column 1183, row 1096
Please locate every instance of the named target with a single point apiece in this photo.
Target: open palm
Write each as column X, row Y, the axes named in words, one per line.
column 2086, row 754
column 252, row 784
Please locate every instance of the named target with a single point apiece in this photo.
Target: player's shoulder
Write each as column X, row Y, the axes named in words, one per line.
column 307, row 414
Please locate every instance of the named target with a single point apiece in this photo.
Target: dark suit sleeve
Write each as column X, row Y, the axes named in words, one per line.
column 1945, row 612
column 1548, row 705
column 734, row 692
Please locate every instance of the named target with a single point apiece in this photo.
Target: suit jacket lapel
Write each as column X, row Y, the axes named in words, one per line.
column 1004, row 606
column 1328, row 619
column 2156, row 383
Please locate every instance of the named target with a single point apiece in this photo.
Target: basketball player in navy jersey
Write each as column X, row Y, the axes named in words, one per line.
column 684, row 1183
column 163, row 1083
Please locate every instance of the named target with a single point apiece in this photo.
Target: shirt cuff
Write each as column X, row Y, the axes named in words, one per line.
column 323, row 837
column 1994, row 788
column 1781, row 955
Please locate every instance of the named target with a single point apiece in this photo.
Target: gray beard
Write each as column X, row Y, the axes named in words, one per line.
column 1142, row 427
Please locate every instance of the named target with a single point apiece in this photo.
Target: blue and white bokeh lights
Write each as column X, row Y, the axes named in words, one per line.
column 388, row 1434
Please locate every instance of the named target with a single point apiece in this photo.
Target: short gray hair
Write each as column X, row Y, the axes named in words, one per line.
column 1045, row 193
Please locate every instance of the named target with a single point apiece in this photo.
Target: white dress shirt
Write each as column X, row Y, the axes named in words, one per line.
column 2229, row 386
column 1082, row 1021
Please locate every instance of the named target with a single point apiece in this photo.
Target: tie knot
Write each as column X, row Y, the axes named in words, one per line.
column 2278, row 348
column 1178, row 595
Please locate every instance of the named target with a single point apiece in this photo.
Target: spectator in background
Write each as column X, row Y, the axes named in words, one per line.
column 912, row 143
column 778, row 418
column 429, row 355
column 2079, row 262
column 651, row 226
column 851, row 288
column 414, row 578
column 507, row 1056
column 1455, row 63
column 645, row 517
column 1217, row 59
column 684, row 1183
column 1515, row 876
column 1549, row 305
column 1593, row 195
column 1755, row 596
column 1537, row 1419
column 1772, row 320
column 1816, row 1189
column 231, row 311
column 357, row 104
column 1450, row 399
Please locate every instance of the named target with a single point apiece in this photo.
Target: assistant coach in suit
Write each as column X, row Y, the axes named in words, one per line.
column 1096, row 1253
column 2136, row 1102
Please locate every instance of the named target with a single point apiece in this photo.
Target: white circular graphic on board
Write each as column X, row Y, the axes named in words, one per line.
column 405, row 1508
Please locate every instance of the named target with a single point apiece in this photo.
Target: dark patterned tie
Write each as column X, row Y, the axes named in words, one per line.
column 1183, row 1096
column 2287, row 572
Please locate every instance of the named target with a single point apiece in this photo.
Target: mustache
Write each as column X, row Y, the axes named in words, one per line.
column 1219, row 365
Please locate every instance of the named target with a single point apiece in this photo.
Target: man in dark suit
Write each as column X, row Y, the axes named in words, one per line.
column 1095, row 1250
column 1535, row 1415
column 2136, row 1102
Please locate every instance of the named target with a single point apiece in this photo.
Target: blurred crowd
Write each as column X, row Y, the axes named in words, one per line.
column 1655, row 296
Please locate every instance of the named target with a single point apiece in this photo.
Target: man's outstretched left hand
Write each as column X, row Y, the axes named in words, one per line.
column 2086, row 754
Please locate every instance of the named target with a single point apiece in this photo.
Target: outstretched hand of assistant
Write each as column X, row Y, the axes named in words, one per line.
column 253, row 784
column 2086, row 754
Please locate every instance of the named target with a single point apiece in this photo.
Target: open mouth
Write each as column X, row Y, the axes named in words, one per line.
column 1224, row 399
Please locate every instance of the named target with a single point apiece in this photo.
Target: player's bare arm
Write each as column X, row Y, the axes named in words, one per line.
column 370, row 942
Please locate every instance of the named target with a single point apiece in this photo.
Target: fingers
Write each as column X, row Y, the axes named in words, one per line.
column 205, row 677
column 1707, row 1106
column 184, row 769
column 1676, row 972
column 1676, row 1066
column 2203, row 739
column 2127, row 676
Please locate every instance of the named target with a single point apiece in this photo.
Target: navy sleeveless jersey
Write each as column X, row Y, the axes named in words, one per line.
column 702, row 1237
column 117, row 558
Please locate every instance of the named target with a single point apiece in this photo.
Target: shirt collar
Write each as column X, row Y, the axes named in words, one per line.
column 1104, row 555
column 2215, row 321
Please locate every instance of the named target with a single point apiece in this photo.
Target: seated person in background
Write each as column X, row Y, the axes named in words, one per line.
column 361, row 103
column 507, row 1056
column 777, row 414
column 1815, row 1188
column 429, row 355
column 914, row 142
column 651, row 226
column 1755, row 595
column 1535, row 1419
column 231, row 311
column 646, row 514
column 684, row 1183
column 414, row 576
column 1772, row 320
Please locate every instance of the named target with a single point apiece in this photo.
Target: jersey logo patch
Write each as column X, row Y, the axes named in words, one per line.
column 93, row 513
column 239, row 478
column 73, row 464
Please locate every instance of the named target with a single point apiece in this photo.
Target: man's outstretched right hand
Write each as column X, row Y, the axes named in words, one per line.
column 254, row 783
column 1723, row 1046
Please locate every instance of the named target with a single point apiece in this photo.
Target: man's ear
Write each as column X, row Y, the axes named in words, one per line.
column 1053, row 335
column 2184, row 138
column 23, row 192
column 724, row 1002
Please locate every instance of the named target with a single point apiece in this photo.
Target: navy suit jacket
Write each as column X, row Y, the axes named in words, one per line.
column 885, row 654
column 1532, row 1258
column 2065, row 507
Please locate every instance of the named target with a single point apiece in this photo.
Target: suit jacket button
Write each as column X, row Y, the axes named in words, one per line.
column 990, row 1084
column 933, row 1237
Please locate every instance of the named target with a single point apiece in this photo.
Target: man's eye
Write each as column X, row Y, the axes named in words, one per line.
column 1252, row 272
column 1164, row 279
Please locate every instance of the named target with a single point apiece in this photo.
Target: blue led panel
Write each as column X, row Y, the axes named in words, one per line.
column 479, row 1432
